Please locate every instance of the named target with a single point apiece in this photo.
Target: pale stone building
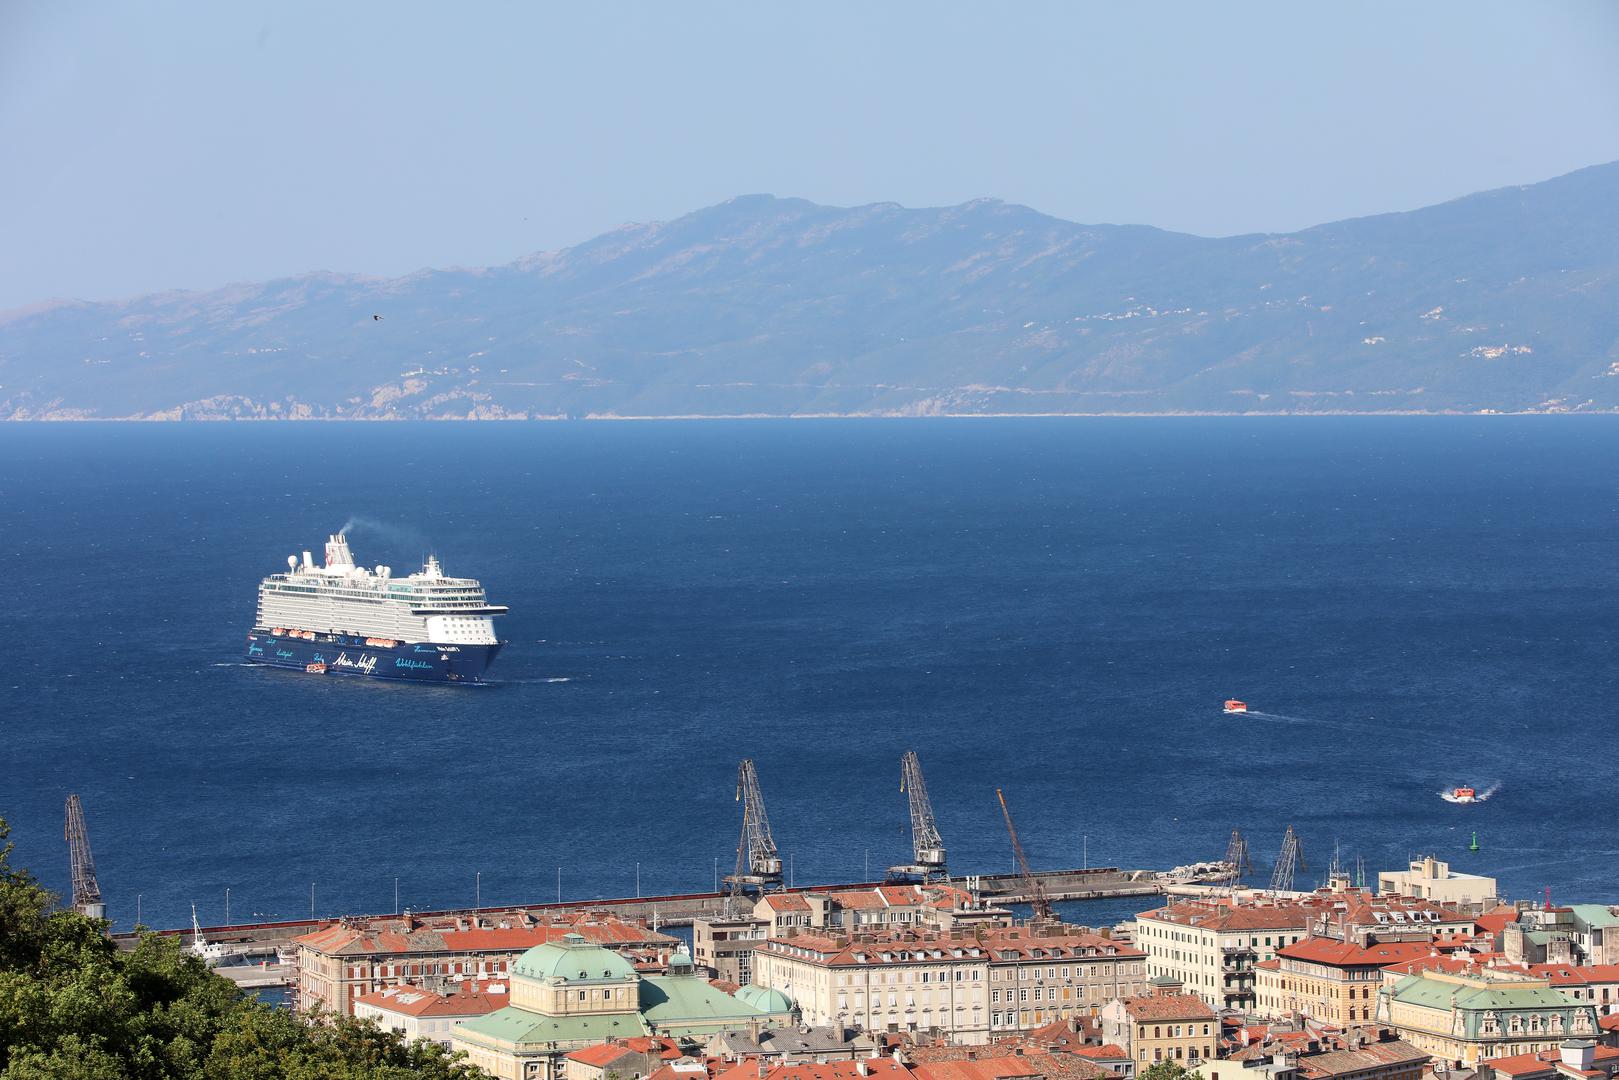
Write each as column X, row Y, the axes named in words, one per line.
column 1215, row 946
column 725, row 943
column 1431, row 879
column 1163, row 1025
column 964, row 986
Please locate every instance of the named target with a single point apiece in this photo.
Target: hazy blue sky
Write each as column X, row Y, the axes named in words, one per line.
column 159, row 145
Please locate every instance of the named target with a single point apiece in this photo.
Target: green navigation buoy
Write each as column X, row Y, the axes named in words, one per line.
column 1474, row 845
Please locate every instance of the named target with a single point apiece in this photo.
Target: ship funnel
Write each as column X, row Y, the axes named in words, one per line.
column 309, row 561
column 337, row 551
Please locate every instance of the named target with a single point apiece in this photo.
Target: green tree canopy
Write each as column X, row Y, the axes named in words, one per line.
column 73, row 1006
column 1165, row 1070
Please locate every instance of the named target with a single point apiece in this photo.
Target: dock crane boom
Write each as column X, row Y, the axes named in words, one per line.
column 758, row 866
column 1238, row 864
column 1037, row 892
column 86, row 890
column 1290, row 860
column 927, row 847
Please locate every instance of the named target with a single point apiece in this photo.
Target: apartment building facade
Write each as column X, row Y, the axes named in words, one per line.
column 964, row 986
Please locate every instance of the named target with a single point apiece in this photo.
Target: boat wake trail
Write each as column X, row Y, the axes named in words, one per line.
column 1482, row 796
column 1280, row 716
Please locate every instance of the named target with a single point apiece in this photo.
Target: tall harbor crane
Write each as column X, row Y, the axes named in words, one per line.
column 1037, row 891
column 927, row 848
column 1290, row 860
column 758, row 866
column 1238, row 863
column 86, row 890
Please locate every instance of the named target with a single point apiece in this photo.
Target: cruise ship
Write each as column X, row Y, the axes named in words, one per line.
column 343, row 619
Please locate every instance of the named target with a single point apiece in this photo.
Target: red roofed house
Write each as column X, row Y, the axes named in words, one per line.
column 629, row 1059
column 1576, row 1059
column 1002, row 1067
column 1166, row 1025
column 425, row 1014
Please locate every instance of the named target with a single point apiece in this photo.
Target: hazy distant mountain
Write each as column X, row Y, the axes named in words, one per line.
column 1506, row 300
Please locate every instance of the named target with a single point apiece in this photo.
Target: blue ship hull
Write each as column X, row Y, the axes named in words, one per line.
column 346, row 655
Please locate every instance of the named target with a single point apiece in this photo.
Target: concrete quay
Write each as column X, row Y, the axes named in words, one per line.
column 680, row 909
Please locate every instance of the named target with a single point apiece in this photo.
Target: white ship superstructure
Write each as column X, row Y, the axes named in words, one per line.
column 342, row 598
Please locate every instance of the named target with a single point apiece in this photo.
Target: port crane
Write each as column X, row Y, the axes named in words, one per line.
column 927, row 847
column 86, row 890
column 1290, row 860
column 1238, row 862
column 1037, row 892
column 758, row 866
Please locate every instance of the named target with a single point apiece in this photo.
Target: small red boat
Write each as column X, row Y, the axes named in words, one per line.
column 317, row 668
column 1232, row 705
column 1464, row 794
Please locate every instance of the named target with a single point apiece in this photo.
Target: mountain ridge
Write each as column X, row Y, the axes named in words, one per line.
column 1500, row 301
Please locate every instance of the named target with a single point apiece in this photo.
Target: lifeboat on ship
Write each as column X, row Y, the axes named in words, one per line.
column 317, row 668
column 1232, row 705
column 381, row 642
column 277, row 632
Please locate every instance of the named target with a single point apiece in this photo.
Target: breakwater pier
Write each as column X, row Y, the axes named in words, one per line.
column 259, row 941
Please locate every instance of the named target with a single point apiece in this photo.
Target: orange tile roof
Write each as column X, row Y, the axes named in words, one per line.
column 787, row 902
column 602, row 1054
column 1576, row 975
column 1105, row 1052
column 1546, row 1061
column 1335, row 953
column 1004, row 944
column 1168, row 1007
column 883, row 1068
column 982, row 1068
column 476, row 1000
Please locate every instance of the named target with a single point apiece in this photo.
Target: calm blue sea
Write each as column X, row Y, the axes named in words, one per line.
column 1055, row 607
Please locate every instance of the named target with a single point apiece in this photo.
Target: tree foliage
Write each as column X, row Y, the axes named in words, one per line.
column 73, row 1006
column 1165, row 1070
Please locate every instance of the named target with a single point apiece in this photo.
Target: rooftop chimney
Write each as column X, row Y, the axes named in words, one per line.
column 1579, row 1054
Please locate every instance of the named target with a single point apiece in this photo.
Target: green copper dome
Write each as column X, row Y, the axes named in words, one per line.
column 765, row 999
column 573, row 959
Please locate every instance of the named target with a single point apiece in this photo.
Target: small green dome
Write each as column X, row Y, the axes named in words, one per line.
column 573, row 959
column 765, row 999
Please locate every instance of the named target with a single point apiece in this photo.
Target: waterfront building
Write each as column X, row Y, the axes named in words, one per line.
column 1214, row 946
column 1465, row 1018
column 1574, row 1059
column 418, row 1013
column 956, row 985
column 1164, row 1025
column 725, row 943
column 1431, row 879
column 570, row 994
column 344, row 960
column 1328, row 980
